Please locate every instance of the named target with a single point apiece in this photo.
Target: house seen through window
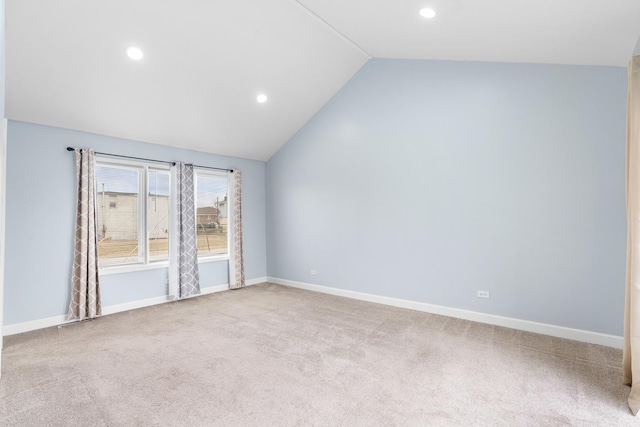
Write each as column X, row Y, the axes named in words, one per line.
column 211, row 213
column 132, row 229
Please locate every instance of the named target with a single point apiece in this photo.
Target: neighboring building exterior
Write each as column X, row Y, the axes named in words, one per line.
column 118, row 216
column 207, row 215
column 212, row 216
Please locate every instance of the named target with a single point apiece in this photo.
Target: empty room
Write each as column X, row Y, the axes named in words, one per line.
column 319, row 212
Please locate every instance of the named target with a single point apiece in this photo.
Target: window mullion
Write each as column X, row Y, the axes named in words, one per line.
column 143, row 237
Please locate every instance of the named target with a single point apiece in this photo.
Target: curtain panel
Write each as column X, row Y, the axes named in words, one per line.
column 85, row 288
column 631, row 354
column 184, row 278
column 236, row 256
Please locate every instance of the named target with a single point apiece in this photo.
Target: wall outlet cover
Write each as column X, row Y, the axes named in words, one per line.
column 483, row 294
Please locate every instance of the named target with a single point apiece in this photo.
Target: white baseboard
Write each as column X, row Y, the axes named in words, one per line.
column 17, row 328
column 32, row 325
column 491, row 319
column 256, row 281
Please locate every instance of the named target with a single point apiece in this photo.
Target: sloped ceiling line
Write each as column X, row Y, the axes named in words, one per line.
column 332, row 28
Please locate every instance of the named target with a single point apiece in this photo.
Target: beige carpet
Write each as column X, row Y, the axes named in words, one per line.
column 269, row 355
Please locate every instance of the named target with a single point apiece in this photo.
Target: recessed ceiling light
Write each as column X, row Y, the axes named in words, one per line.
column 427, row 12
column 262, row 98
column 134, row 53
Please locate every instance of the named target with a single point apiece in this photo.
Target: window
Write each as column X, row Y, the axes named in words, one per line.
column 211, row 214
column 158, row 214
column 132, row 229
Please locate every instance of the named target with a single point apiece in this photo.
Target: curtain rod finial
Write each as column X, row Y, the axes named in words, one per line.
column 71, row 149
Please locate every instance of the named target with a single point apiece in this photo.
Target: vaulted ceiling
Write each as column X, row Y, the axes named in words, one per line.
column 206, row 61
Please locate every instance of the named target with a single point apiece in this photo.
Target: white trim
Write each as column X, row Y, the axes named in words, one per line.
column 130, row 268
column 214, row 258
column 255, row 281
column 174, row 238
column 32, row 325
column 208, row 173
column 144, row 261
column 115, row 160
column 153, row 265
column 3, row 211
column 491, row 319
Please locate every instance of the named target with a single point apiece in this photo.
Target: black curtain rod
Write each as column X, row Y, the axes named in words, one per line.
column 153, row 160
column 128, row 157
column 209, row 167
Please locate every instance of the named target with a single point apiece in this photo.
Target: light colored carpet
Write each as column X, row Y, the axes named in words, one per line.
column 270, row 355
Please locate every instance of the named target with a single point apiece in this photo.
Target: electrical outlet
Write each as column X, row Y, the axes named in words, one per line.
column 483, row 294
column 314, row 272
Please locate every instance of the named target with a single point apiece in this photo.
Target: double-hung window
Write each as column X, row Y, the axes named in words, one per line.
column 133, row 201
column 212, row 214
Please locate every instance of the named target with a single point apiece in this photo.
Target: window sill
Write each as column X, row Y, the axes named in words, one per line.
column 213, row 259
column 107, row 271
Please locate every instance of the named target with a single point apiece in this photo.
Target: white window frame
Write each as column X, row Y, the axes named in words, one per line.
column 143, row 232
column 214, row 174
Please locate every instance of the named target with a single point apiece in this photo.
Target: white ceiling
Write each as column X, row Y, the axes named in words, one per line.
column 586, row 32
column 206, row 61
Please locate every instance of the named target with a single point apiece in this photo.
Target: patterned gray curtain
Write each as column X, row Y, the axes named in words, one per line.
column 85, row 289
column 236, row 257
column 184, row 279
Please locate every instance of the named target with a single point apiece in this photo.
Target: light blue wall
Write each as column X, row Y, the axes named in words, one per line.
column 40, row 221
column 2, row 56
column 430, row 180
